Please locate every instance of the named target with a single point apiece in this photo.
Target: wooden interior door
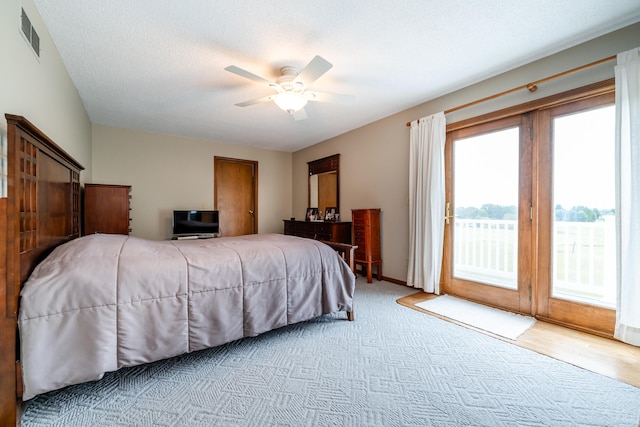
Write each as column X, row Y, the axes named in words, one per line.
column 235, row 188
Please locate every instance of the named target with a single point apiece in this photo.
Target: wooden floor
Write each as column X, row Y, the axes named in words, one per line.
column 601, row 355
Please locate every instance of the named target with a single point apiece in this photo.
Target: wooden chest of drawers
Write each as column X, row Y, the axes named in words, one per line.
column 107, row 209
column 336, row 232
column 366, row 235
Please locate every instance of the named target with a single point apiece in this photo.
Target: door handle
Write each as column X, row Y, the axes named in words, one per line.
column 251, row 212
column 447, row 215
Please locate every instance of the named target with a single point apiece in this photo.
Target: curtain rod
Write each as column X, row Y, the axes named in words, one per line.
column 531, row 87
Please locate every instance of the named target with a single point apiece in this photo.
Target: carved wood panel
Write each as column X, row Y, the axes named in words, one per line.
column 28, row 195
column 323, row 165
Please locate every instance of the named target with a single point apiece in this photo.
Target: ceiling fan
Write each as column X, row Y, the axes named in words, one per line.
column 292, row 87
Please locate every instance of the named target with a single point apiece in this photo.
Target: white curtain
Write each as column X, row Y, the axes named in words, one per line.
column 426, row 202
column 627, row 74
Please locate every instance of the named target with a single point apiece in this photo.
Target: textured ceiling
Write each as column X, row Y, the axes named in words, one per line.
column 158, row 65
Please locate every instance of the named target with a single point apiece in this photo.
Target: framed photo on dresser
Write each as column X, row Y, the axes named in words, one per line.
column 312, row 214
column 330, row 215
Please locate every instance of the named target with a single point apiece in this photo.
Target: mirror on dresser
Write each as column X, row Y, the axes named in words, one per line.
column 324, row 192
column 324, row 183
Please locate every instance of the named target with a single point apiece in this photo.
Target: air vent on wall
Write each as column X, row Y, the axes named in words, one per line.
column 30, row 33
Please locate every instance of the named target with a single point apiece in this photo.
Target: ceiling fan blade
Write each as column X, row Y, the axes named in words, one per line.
column 335, row 98
column 255, row 101
column 314, row 69
column 246, row 74
column 300, row 114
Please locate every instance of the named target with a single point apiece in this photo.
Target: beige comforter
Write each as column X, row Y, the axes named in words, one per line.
column 102, row 302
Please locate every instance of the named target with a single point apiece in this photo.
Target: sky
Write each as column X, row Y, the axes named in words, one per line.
column 584, row 159
column 486, row 166
column 486, row 169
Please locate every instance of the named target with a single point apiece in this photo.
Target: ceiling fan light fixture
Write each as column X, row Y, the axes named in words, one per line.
column 292, row 86
column 290, row 101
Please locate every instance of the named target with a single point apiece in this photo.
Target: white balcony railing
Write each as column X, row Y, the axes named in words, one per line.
column 486, row 251
column 583, row 256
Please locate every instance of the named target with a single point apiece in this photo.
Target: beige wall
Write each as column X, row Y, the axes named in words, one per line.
column 374, row 159
column 40, row 88
column 170, row 172
column 162, row 168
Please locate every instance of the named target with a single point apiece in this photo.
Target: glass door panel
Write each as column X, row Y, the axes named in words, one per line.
column 485, row 234
column 583, row 236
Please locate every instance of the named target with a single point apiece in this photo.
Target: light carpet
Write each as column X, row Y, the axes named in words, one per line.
column 498, row 322
column 390, row 367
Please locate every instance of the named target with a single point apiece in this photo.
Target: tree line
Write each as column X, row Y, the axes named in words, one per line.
column 499, row 212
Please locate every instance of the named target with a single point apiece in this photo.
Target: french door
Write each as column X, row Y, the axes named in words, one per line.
column 531, row 212
column 488, row 232
column 577, row 256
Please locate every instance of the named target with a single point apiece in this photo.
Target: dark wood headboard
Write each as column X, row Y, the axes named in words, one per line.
column 40, row 212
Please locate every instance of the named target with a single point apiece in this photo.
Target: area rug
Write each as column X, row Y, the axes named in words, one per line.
column 390, row 367
column 498, row 322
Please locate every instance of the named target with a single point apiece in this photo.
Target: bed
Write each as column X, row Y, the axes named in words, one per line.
column 103, row 302
column 122, row 300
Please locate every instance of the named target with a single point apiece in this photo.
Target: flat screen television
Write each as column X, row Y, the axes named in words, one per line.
column 195, row 223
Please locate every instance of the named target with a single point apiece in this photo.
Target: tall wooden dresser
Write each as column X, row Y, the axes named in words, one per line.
column 366, row 235
column 107, row 209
